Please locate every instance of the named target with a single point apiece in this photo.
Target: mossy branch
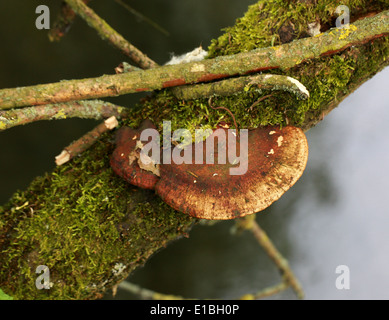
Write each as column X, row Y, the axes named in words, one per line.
column 281, row 57
column 232, row 86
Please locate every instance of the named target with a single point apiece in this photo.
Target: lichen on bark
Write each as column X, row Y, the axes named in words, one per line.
column 92, row 229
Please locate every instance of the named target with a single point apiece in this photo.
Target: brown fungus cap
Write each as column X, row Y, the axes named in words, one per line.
column 125, row 158
column 276, row 159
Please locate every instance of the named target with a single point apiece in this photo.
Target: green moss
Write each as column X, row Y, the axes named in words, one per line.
column 270, row 23
column 81, row 221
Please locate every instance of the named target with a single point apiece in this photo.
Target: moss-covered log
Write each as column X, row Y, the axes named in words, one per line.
column 92, row 229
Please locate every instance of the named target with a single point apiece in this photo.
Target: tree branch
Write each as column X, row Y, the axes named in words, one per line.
column 277, row 258
column 91, row 109
column 249, row 223
column 152, row 295
column 284, row 57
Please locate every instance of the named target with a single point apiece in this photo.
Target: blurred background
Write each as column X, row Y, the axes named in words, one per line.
column 336, row 214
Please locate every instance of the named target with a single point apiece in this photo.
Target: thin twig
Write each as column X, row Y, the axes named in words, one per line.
column 284, row 57
column 226, row 109
column 106, row 32
column 89, row 109
column 86, row 141
column 140, row 16
column 125, row 67
column 267, row 292
column 259, row 100
column 63, row 22
column 147, row 294
column 250, row 223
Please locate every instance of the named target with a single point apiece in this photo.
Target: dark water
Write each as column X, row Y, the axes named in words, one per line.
column 335, row 215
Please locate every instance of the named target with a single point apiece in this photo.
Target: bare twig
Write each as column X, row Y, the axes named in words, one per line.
column 147, row 294
column 267, row 292
column 106, row 32
column 259, row 101
column 125, row 67
column 90, row 109
column 289, row 278
column 85, row 141
column 284, row 56
column 226, row 109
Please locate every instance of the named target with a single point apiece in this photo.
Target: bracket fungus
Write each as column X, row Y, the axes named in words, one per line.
column 125, row 160
column 206, row 186
column 274, row 161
